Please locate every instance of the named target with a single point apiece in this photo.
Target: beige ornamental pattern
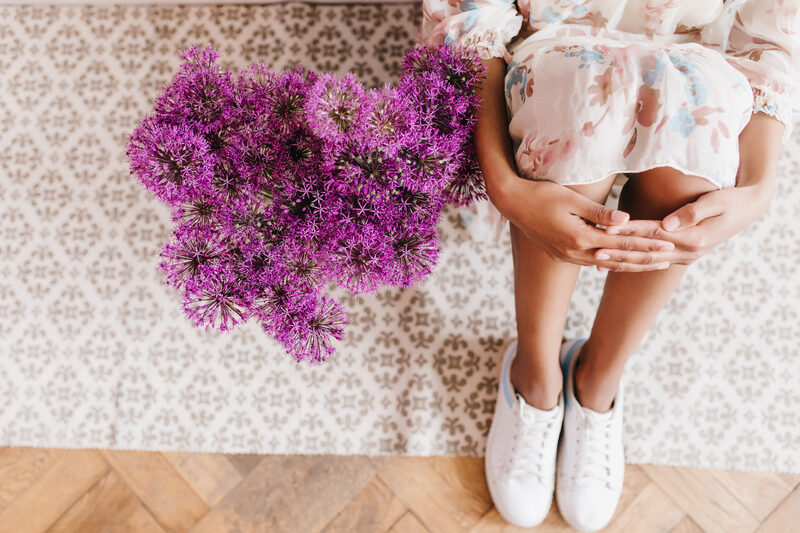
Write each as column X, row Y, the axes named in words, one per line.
column 95, row 352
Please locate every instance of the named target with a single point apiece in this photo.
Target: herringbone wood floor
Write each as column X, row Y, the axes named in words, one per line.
column 91, row 491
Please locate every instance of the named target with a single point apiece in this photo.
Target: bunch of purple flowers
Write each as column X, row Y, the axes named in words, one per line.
column 283, row 183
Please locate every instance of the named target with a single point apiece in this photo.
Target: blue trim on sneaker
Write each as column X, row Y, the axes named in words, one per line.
column 565, row 368
column 506, row 378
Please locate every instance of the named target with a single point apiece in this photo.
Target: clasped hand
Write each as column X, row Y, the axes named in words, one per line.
column 694, row 228
column 563, row 223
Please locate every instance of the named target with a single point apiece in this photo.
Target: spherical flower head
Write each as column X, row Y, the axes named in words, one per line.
column 255, row 87
column 200, row 94
column 427, row 165
column 204, row 210
column 390, row 116
column 415, row 252
column 467, row 184
column 171, row 160
column 361, row 262
column 324, row 321
column 458, row 66
column 301, row 318
column 335, row 107
column 212, row 299
column 286, row 100
column 191, row 248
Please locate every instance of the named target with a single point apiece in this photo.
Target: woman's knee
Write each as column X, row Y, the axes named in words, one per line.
column 656, row 192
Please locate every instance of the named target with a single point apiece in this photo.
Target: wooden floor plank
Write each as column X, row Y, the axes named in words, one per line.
column 651, row 510
column 407, row 524
column 290, row 493
column 19, row 468
column 66, row 478
column 686, row 525
column 210, row 475
column 244, row 462
column 701, row 495
column 140, row 521
column 759, row 492
column 165, row 494
column 447, row 494
column 785, row 517
column 375, row 509
column 792, row 480
column 106, row 505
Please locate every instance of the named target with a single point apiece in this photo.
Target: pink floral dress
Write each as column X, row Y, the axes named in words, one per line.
column 597, row 87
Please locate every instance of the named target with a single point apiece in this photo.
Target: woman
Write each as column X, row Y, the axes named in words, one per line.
column 690, row 102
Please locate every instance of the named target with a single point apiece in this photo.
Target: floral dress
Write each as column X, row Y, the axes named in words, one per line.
column 597, row 87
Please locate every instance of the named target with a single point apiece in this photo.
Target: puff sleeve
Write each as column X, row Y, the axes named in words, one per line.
column 764, row 44
column 486, row 26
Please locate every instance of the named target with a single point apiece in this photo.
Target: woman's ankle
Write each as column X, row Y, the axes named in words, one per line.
column 593, row 388
column 539, row 388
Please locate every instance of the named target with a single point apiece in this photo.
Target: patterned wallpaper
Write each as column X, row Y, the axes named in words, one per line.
column 95, row 352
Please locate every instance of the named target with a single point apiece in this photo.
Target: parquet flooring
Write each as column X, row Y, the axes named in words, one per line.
column 87, row 491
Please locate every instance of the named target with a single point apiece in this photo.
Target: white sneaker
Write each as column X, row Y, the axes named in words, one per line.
column 591, row 460
column 521, row 452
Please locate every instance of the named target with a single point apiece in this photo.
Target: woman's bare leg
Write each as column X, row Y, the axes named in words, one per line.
column 631, row 301
column 542, row 293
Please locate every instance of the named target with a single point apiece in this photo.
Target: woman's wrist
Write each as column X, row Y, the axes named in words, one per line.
column 761, row 193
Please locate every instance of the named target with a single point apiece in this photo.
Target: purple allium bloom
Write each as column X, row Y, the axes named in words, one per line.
column 282, row 184
column 200, row 94
column 335, row 107
column 173, row 161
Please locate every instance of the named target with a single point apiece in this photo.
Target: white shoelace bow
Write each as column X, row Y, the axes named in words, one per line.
column 595, row 466
column 527, row 452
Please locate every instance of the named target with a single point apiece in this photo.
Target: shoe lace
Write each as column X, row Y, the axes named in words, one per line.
column 527, row 452
column 595, row 465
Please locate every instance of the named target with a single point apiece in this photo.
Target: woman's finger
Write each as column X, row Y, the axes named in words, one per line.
column 622, row 266
column 643, row 228
column 602, row 239
column 690, row 239
column 692, row 213
column 632, row 267
column 606, row 256
column 596, row 212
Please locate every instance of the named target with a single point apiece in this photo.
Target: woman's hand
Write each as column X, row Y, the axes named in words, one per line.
column 562, row 222
column 699, row 226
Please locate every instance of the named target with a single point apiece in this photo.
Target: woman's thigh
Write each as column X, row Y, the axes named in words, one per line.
column 655, row 193
column 597, row 191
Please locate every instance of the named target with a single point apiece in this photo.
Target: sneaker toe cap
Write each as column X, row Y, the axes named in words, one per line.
column 588, row 510
column 520, row 504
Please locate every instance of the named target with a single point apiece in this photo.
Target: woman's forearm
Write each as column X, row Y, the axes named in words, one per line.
column 492, row 142
column 759, row 150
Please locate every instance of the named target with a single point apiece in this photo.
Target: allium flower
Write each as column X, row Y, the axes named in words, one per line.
column 335, row 107
column 200, row 94
column 282, row 184
column 173, row 161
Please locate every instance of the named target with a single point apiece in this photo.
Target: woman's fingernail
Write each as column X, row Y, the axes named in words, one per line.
column 671, row 222
column 603, row 255
column 662, row 266
column 613, row 231
column 619, row 216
